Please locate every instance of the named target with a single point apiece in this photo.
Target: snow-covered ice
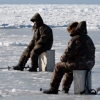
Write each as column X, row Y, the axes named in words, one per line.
column 17, row 85
column 55, row 15
column 16, row 33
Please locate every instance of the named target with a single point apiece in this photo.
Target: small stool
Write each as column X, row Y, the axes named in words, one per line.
column 79, row 77
column 47, row 61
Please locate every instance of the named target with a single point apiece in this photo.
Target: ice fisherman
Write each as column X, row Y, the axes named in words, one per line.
column 79, row 55
column 42, row 41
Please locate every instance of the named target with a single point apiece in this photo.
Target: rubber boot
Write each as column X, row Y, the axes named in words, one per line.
column 50, row 91
column 17, row 67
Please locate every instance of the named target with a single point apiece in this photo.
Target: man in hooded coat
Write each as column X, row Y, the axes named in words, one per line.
column 42, row 41
column 79, row 55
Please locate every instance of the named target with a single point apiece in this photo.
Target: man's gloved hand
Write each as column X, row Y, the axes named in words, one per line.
column 63, row 58
column 90, row 64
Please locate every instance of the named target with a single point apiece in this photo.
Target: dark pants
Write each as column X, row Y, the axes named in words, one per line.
column 65, row 69
column 33, row 54
column 60, row 70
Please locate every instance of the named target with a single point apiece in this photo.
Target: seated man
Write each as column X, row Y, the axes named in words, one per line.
column 79, row 55
column 41, row 42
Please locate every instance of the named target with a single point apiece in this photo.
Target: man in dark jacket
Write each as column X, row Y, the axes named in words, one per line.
column 41, row 42
column 79, row 55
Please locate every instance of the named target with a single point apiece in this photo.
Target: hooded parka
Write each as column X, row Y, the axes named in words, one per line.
column 79, row 54
column 81, row 49
column 42, row 41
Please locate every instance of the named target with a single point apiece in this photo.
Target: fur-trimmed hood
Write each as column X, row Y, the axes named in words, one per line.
column 77, row 28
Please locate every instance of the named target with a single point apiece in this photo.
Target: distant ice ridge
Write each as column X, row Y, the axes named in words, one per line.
column 55, row 15
column 12, row 44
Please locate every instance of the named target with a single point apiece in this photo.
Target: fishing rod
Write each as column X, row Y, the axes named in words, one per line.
column 12, row 67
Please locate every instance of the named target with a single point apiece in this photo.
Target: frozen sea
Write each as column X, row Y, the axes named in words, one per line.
column 24, row 85
column 55, row 15
column 16, row 33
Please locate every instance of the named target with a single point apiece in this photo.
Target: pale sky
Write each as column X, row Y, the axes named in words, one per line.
column 49, row 1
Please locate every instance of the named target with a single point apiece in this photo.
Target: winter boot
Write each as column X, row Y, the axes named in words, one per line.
column 65, row 91
column 17, row 67
column 32, row 69
column 49, row 91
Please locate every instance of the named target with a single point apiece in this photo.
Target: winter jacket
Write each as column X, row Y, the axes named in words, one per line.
column 81, row 50
column 43, row 34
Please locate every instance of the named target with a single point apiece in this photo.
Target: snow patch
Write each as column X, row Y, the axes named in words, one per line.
column 55, row 15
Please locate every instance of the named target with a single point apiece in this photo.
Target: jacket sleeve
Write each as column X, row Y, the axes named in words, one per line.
column 71, row 50
column 31, row 44
column 44, row 36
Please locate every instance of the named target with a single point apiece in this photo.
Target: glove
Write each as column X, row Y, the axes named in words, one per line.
column 63, row 58
column 90, row 64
